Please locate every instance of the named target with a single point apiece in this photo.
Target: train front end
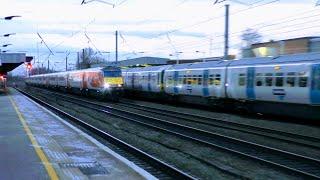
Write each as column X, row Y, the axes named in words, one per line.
column 3, row 83
column 113, row 82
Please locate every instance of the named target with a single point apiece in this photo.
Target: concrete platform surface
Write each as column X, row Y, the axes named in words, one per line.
column 36, row 144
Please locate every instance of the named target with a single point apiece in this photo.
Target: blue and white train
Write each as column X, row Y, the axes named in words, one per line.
column 283, row 85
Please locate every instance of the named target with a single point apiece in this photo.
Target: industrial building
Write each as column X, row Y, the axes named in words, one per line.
column 282, row 47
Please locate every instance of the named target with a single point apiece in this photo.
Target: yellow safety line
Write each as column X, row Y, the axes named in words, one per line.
column 51, row 172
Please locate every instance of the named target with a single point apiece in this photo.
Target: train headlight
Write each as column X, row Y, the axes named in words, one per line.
column 106, row 85
column 119, row 85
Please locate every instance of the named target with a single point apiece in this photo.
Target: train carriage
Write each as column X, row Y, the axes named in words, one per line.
column 290, row 83
column 205, row 80
column 149, row 79
column 100, row 82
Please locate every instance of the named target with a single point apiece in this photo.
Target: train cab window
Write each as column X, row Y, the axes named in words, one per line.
column 291, row 79
column 217, row 80
column 242, row 79
column 279, row 79
column 269, row 79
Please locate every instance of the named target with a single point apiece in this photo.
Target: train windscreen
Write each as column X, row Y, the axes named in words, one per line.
column 112, row 73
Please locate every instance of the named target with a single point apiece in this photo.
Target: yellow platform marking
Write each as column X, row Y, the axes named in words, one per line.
column 51, row 172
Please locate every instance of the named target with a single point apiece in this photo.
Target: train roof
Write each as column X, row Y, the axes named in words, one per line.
column 150, row 68
column 200, row 65
column 294, row 58
column 63, row 72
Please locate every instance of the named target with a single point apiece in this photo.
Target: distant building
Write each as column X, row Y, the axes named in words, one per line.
column 141, row 61
column 287, row 46
column 182, row 61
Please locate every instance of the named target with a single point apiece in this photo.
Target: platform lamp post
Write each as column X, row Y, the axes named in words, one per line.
column 7, row 18
column 106, row 52
column 67, row 54
column 203, row 55
column 4, row 45
column 177, row 56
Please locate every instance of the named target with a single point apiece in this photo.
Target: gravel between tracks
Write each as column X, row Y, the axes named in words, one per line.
column 307, row 130
column 183, row 154
column 306, row 151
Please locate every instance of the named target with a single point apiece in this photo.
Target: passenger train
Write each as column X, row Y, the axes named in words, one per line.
column 104, row 82
column 284, row 85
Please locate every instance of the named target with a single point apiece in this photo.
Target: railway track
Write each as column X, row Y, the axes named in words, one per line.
column 300, row 165
column 153, row 165
column 306, row 141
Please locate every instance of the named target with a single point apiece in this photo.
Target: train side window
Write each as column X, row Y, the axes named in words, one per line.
column 303, row 81
column 169, row 79
column 269, row 79
column 184, row 79
column 279, row 79
column 242, row 79
column 259, row 79
column 189, row 79
column 199, row 79
column 211, row 79
column 291, row 79
column 217, row 80
column 194, row 79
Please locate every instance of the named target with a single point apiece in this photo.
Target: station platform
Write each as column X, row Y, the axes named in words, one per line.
column 36, row 144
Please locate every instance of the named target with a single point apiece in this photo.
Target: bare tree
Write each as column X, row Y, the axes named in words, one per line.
column 88, row 57
column 250, row 36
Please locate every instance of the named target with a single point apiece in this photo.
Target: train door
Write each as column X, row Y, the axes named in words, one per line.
column 149, row 81
column 84, row 80
column 132, row 80
column 315, row 84
column 175, row 82
column 205, row 88
column 250, row 83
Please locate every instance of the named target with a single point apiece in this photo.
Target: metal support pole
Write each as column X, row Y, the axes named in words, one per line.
column 116, row 47
column 48, row 65
column 38, row 60
column 226, row 33
column 78, row 60
column 67, row 63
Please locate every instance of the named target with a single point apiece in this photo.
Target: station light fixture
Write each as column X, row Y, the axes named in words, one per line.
column 10, row 17
column 29, row 66
column 9, row 34
column 6, row 45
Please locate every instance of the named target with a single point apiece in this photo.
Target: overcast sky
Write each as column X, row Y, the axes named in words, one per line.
column 154, row 27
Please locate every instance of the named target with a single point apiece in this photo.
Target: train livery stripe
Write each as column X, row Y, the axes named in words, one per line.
column 113, row 80
column 250, row 83
column 205, row 89
column 175, row 80
column 315, row 84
